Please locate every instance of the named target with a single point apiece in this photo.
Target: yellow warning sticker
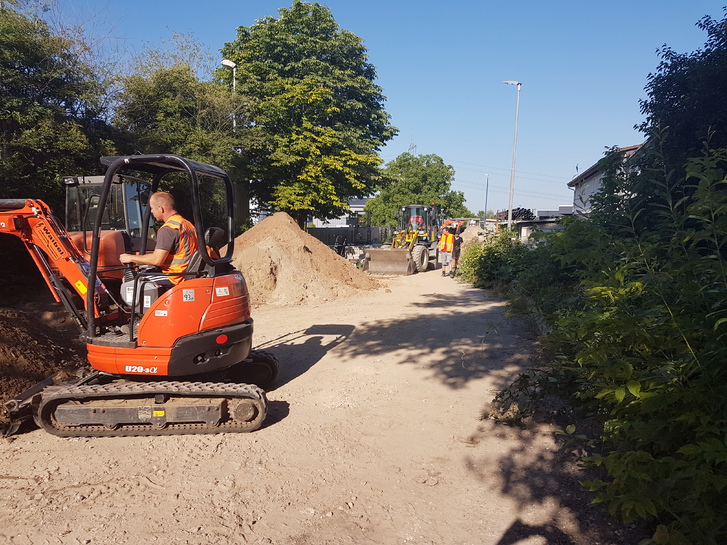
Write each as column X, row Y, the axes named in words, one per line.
column 81, row 287
column 158, row 413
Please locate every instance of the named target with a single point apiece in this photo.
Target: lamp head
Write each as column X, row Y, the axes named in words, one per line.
column 229, row 63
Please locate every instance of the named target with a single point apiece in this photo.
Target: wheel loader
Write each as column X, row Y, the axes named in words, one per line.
column 163, row 358
column 414, row 244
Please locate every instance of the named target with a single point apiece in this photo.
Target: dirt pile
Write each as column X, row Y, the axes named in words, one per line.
column 473, row 233
column 30, row 351
column 283, row 265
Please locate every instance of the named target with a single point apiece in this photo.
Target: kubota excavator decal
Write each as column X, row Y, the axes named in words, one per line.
column 140, row 369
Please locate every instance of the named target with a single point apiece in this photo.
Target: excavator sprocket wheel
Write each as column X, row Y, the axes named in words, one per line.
column 261, row 368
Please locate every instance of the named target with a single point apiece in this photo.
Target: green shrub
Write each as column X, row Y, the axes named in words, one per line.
column 637, row 299
column 496, row 261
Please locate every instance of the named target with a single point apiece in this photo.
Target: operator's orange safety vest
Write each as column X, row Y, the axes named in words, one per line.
column 178, row 262
column 446, row 243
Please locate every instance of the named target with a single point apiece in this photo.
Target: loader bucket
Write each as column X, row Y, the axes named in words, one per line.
column 387, row 261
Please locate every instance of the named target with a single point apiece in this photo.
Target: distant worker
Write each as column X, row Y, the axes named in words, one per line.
column 456, row 250
column 446, row 245
column 176, row 240
column 417, row 222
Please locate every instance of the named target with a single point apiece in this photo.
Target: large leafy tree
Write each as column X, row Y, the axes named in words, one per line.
column 416, row 179
column 317, row 117
column 685, row 117
column 50, row 119
column 166, row 106
column 168, row 110
column 686, row 94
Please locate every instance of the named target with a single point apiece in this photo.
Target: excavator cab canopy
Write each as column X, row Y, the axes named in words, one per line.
column 203, row 194
column 126, row 208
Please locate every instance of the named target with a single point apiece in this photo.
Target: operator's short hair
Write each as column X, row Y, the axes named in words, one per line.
column 164, row 199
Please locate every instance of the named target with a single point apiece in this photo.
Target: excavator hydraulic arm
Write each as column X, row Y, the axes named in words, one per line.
column 56, row 257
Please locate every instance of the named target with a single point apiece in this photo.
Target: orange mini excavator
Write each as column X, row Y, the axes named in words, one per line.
column 164, row 358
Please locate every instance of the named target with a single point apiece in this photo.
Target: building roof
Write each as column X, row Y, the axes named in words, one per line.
column 595, row 169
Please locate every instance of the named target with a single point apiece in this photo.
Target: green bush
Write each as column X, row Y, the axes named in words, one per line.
column 637, row 298
column 494, row 262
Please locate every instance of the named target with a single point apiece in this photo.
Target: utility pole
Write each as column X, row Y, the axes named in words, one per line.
column 487, row 190
column 514, row 153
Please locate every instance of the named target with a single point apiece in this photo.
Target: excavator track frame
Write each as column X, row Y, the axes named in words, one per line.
column 240, row 408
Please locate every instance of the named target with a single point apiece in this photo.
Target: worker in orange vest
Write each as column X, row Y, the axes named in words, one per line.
column 446, row 245
column 176, row 240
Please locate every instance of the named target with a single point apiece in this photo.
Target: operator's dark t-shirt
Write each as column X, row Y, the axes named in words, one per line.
column 168, row 239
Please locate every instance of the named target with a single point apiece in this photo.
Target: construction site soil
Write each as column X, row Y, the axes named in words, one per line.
column 376, row 434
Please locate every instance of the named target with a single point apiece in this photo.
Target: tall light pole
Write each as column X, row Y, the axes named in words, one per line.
column 487, row 190
column 231, row 64
column 514, row 153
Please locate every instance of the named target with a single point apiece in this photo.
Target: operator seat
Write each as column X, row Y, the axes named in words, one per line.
column 214, row 239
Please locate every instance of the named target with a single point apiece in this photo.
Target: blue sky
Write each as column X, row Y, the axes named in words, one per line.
column 583, row 66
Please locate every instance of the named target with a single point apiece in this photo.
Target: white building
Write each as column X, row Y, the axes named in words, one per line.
column 587, row 184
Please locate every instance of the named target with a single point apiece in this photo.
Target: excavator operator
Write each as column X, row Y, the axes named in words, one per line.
column 176, row 240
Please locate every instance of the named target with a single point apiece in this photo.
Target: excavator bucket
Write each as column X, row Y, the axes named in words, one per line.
column 388, row 261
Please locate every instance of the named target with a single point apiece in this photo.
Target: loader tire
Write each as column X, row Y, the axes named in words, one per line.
column 420, row 257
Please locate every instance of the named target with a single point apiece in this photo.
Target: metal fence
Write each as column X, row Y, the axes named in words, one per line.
column 350, row 236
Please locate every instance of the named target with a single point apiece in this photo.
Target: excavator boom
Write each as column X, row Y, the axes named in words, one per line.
column 61, row 264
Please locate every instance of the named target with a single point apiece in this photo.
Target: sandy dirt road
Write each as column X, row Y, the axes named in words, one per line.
column 374, row 436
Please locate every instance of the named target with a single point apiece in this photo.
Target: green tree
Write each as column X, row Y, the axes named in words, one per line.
column 416, row 179
column 168, row 110
column 50, row 119
column 686, row 97
column 317, row 116
column 165, row 106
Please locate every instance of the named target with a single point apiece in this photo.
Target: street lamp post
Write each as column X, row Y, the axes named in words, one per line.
column 487, row 191
column 231, row 64
column 514, row 153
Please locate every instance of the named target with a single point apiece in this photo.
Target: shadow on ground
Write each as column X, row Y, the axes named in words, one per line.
column 541, row 471
column 302, row 349
column 468, row 334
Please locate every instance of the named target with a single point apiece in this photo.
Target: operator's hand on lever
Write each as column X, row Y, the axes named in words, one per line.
column 155, row 259
column 126, row 259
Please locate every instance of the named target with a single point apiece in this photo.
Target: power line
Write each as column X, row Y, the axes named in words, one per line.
column 488, row 168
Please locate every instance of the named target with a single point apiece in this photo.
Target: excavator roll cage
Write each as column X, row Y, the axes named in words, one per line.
column 158, row 167
column 109, row 215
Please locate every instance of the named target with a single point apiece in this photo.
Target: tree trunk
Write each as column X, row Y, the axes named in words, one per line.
column 300, row 216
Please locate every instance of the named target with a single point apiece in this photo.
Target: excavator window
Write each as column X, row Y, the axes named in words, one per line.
column 127, row 202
